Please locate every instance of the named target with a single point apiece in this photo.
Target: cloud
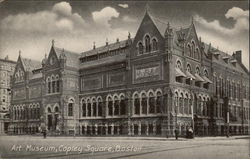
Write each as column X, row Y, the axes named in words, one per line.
column 123, row 5
column 227, row 39
column 32, row 32
column 240, row 16
column 128, row 19
column 103, row 16
column 57, row 20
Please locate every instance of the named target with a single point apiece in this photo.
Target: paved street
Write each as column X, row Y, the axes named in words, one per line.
column 25, row 147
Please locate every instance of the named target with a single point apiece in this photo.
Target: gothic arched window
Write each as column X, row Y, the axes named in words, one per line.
column 144, row 103
column 136, row 104
column 70, row 107
column 151, row 103
column 122, row 105
column 140, row 48
column 154, row 45
column 83, row 108
column 99, row 107
column 147, row 43
column 110, row 106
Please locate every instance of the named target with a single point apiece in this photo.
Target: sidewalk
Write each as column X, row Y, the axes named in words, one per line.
column 138, row 137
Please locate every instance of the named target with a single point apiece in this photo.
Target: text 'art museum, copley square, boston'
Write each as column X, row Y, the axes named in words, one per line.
column 160, row 80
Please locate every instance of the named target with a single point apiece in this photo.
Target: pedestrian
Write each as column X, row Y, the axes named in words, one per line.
column 176, row 133
column 44, row 133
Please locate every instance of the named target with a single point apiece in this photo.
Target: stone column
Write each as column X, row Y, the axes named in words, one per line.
column 118, row 130
column 139, row 128
column 112, row 129
column 154, row 128
column 96, row 129
column 132, row 127
column 106, row 129
column 147, row 129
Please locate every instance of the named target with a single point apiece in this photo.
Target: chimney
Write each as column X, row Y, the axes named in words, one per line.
column 93, row 45
column 238, row 56
column 107, row 43
column 117, row 40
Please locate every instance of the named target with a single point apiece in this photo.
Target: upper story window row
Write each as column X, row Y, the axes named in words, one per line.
column 53, row 84
column 102, row 55
column 230, row 88
column 188, row 75
column 147, row 45
column 193, row 50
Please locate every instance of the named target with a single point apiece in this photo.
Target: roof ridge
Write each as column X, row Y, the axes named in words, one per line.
column 68, row 51
column 106, row 45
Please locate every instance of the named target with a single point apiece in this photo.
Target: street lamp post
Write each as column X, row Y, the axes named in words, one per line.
column 227, row 123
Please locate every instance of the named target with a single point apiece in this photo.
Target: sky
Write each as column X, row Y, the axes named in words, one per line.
column 30, row 26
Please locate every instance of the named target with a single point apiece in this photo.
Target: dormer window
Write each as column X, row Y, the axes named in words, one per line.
column 216, row 55
column 234, row 62
column 225, row 58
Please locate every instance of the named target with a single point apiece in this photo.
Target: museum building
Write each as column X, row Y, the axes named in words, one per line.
column 161, row 80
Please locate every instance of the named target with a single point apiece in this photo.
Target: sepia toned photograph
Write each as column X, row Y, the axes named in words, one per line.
column 124, row 79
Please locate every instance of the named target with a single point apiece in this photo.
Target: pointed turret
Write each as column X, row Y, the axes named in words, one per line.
column 169, row 38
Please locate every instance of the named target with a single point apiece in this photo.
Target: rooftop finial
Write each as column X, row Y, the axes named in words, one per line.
column 192, row 19
column 53, row 42
column 147, row 8
column 93, row 45
column 129, row 35
column 168, row 25
column 117, row 40
column 19, row 52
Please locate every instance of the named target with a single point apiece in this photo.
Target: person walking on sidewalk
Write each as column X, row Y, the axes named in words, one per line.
column 176, row 132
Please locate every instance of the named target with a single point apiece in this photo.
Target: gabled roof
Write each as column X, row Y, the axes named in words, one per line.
column 72, row 58
column 30, row 64
column 160, row 25
column 105, row 48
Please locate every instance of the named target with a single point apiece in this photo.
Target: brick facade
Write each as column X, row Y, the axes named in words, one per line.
column 161, row 80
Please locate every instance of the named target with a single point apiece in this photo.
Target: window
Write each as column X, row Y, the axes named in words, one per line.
column 144, row 103
column 57, row 84
column 154, row 45
column 140, row 48
column 178, row 65
column 83, row 108
column 136, row 104
column 116, row 106
column 123, row 105
column 94, row 107
column 158, row 102
column 197, row 53
column 110, row 106
column 89, row 108
column 181, row 104
column 189, row 50
column 53, row 84
column 193, row 49
column 99, row 107
column 70, row 107
column 49, row 85
column 151, row 103
column 147, row 43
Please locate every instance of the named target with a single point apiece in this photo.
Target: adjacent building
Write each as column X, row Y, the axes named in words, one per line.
column 6, row 71
column 161, row 80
